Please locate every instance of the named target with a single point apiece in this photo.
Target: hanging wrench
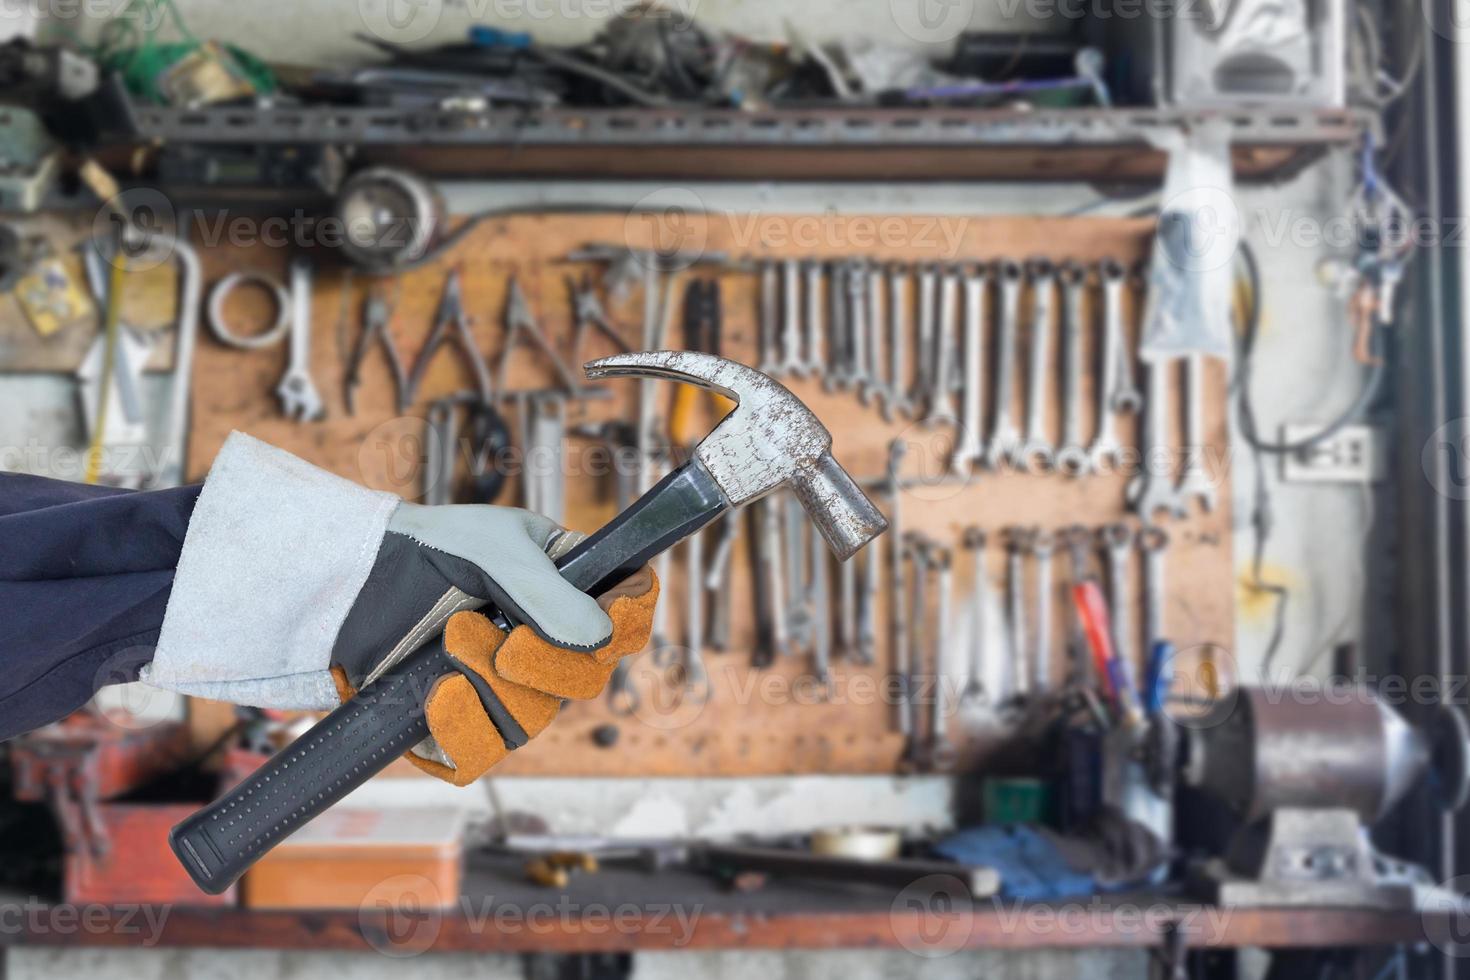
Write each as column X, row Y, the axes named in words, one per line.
column 1118, row 540
column 1072, row 457
column 1152, row 489
column 1195, row 483
column 816, row 323
column 798, row 584
column 941, row 752
column 1078, row 541
column 1153, row 541
column 867, row 614
column 941, row 395
column 821, row 613
column 915, row 551
column 839, row 376
column 691, row 678
column 1005, row 438
column 1017, row 540
column 857, row 328
column 1123, row 394
column 876, row 387
column 716, row 580
column 1042, row 546
column 898, row 342
column 777, row 641
column 968, row 441
column 791, row 360
column 975, row 541
column 898, row 634
column 770, row 316
column 299, row 398
column 1107, row 450
column 1038, row 453
column 924, row 360
column 847, row 613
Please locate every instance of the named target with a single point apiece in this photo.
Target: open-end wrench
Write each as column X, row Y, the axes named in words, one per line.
column 969, row 440
column 867, row 615
column 1194, row 482
column 690, row 678
column 1078, row 541
column 816, row 321
column 1118, row 540
column 717, row 579
column 1152, row 489
column 857, row 328
column 915, row 552
column 941, row 751
column 821, row 608
column 1017, row 542
column 1072, row 455
column 299, row 397
column 1042, row 546
column 798, row 583
column 974, row 542
column 1153, row 541
column 1005, row 438
column 1038, row 453
column 792, row 363
column 839, row 374
column 898, row 342
column 941, row 392
column 770, row 312
column 928, row 275
column 1106, row 451
column 660, row 645
column 1123, row 394
column 898, row 633
column 778, row 640
column 876, row 387
column 847, row 610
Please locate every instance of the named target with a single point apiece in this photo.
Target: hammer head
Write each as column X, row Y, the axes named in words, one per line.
column 769, row 441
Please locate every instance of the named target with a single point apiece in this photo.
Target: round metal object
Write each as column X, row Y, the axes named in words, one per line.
column 221, row 292
column 389, row 218
column 1449, row 756
column 862, row 843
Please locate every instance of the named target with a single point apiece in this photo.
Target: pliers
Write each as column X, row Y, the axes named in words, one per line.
column 376, row 312
column 520, row 320
column 451, row 313
column 588, row 312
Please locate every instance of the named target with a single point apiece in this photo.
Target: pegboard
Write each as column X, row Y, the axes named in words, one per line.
column 772, row 721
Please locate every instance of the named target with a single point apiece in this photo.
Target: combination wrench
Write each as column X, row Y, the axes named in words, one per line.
column 916, row 552
column 1072, row 457
column 1106, row 451
column 840, row 372
column 1152, row 489
column 1118, row 540
column 1042, row 545
column 1123, row 394
column 974, row 541
column 867, row 615
column 898, row 634
column 969, row 444
column 875, row 386
column 898, row 311
column 1017, row 540
column 821, row 613
column 816, row 353
column 770, row 305
column 1153, row 541
column 924, row 359
column 941, row 752
column 1038, row 453
column 941, row 393
column 791, row 363
column 1005, row 438
column 857, row 329
column 1194, row 482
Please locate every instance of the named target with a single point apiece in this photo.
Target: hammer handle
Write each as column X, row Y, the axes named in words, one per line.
column 217, row 843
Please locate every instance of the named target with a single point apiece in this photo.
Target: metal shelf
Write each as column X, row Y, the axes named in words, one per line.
column 805, row 143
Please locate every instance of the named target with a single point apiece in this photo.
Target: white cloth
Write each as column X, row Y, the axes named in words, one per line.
column 276, row 552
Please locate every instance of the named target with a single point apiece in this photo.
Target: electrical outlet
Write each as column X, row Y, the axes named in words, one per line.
column 1353, row 454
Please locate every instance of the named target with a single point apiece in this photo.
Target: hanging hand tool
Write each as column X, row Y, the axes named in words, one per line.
column 1195, row 482
column 703, row 330
column 771, row 440
column 1005, row 441
column 717, row 579
column 898, row 342
column 898, row 634
column 588, row 314
column 1072, row 456
column 376, row 313
column 1043, row 543
column 1018, row 542
column 451, row 317
column 941, row 752
column 1037, row 452
column 969, row 444
column 915, row 552
column 975, row 540
column 299, row 398
column 521, row 322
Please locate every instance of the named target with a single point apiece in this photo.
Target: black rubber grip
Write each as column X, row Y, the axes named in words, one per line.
column 386, row 719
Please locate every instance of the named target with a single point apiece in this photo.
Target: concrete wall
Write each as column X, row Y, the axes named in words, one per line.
column 1303, row 374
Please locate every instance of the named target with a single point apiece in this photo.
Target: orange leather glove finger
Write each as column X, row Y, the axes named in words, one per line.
column 527, row 659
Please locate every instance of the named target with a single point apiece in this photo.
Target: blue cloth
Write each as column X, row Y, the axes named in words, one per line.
column 1030, row 866
column 85, row 574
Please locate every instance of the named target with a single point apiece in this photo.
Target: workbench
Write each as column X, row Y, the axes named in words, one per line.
column 626, row 910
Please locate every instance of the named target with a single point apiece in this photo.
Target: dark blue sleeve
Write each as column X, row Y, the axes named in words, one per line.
column 85, row 574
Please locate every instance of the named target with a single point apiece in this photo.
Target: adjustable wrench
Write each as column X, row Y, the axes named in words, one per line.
column 875, row 386
column 299, row 398
column 1038, row 453
column 924, row 362
column 857, row 328
column 791, row 362
column 1118, row 540
column 941, row 396
column 1072, row 457
column 1005, row 438
column 770, row 362
column 1123, row 394
column 969, row 444
column 1042, row 545
column 941, row 752
column 816, row 325
column 1152, row 489
column 1194, row 482
column 974, row 542
column 898, row 634
column 898, row 342
column 1153, row 541
column 1017, row 540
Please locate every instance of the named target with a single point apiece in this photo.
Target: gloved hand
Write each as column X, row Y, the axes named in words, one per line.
column 509, row 688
